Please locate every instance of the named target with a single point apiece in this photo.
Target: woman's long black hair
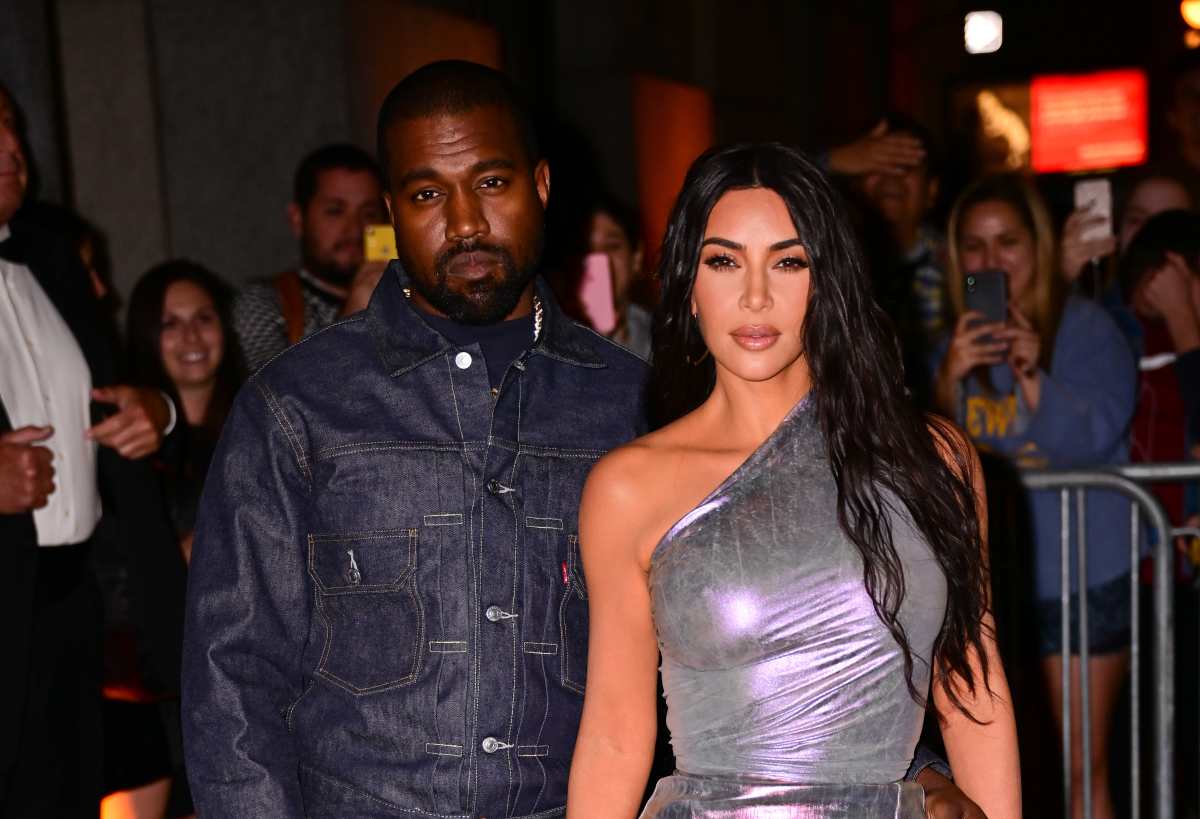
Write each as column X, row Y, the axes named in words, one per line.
column 143, row 330
column 877, row 441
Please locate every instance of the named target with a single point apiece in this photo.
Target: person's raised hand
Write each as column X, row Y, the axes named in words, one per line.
column 136, row 430
column 362, row 286
column 26, row 470
column 1169, row 289
column 877, row 152
column 1075, row 251
column 970, row 349
column 944, row 800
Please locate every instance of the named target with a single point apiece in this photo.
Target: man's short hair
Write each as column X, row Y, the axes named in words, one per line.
column 338, row 156
column 453, row 87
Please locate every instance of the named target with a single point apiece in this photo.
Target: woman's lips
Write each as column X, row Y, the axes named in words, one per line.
column 755, row 336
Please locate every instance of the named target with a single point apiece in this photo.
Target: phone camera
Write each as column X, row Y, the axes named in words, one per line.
column 971, row 284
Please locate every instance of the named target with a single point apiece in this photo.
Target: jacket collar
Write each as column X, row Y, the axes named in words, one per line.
column 403, row 341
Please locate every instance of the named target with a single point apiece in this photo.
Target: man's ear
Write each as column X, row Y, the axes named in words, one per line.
column 541, row 180
column 295, row 217
column 387, row 203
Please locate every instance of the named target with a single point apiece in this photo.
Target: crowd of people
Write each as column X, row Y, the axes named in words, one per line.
column 360, row 483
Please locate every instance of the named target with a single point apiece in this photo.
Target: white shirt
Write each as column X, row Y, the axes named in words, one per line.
column 45, row 380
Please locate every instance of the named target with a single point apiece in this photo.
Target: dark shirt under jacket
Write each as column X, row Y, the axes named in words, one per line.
column 386, row 611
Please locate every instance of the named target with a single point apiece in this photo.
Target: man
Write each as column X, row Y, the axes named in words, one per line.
column 336, row 195
column 386, row 611
column 52, row 481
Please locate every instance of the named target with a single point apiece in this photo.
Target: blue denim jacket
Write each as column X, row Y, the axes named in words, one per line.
column 386, row 613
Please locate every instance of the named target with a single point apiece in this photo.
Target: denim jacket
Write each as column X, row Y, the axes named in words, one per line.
column 386, row 613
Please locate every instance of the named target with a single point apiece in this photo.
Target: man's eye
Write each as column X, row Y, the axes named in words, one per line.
column 721, row 260
column 425, row 195
column 493, row 182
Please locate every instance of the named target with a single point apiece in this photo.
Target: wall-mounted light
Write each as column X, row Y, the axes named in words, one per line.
column 983, row 31
column 1190, row 9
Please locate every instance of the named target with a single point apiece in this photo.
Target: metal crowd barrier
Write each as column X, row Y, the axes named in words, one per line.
column 1126, row 480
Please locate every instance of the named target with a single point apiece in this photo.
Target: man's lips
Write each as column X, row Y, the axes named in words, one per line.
column 474, row 264
column 755, row 336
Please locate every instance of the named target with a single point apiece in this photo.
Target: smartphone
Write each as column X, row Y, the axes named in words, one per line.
column 1095, row 196
column 379, row 243
column 987, row 292
column 596, row 292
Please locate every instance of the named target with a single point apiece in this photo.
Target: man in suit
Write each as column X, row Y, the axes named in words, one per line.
column 56, row 466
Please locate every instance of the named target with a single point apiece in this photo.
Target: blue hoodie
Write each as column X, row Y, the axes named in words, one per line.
column 1082, row 420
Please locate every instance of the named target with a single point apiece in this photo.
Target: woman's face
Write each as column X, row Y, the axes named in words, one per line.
column 1150, row 198
column 994, row 237
column 192, row 340
column 624, row 257
column 751, row 289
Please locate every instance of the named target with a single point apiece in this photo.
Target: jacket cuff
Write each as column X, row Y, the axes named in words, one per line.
column 925, row 758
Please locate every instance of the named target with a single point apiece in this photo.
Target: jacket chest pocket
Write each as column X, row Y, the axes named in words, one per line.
column 367, row 598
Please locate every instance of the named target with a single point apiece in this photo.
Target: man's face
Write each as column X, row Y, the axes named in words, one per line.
column 468, row 206
column 14, row 173
column 330, row 227
column 902, row 199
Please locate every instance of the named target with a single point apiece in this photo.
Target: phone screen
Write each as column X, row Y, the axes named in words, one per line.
column 596, row 292
column 1095, row 196
column 379, row 243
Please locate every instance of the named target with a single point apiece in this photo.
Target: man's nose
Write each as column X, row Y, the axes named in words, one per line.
column 464, row 218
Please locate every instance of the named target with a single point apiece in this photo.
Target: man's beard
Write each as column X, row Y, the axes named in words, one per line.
column 485, row 301
column 328, row 269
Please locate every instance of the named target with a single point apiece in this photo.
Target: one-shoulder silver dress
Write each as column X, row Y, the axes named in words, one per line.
column 786, row 694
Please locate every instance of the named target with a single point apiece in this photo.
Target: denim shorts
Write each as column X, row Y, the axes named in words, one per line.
column 1108, row 620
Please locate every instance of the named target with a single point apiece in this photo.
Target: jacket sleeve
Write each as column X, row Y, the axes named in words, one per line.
column 247, row 616
column 1088, row 398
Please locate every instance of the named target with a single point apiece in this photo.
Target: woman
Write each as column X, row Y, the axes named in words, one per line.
column 802, row 607
column 613, row 231
column 178, row 342
column 1052, row 387
column 179, row 336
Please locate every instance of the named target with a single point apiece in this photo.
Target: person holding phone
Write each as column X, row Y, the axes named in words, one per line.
column 614, row 240
column 1051, row 386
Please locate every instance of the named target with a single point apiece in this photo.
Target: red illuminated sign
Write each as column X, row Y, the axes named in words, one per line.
column 1088, row 121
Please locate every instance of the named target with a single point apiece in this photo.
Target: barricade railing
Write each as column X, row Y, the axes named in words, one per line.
column 1128, row 481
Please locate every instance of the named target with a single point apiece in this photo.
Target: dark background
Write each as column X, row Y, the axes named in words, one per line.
column 175, row 125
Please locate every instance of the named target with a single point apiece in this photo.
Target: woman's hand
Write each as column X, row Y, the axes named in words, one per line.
column 1075, row 251
column 975, row 344
column 1025, row 349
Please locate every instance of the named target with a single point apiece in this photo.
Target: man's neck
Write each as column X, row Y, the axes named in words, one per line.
column 324, row 285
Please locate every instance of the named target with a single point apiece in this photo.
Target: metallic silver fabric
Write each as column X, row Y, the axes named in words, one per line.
column 776, row 668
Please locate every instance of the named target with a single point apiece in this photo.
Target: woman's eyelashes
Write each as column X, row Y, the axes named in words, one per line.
column 723, row 261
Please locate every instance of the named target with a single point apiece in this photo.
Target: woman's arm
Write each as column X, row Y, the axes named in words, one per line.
column 983, row 754
column 616, row 737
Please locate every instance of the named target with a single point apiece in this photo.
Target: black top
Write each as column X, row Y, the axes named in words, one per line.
column 502, row 343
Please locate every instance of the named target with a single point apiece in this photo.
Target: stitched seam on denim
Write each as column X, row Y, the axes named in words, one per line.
column 517, row 627
column 390, row 805
column 533, row 750
column 291, row 709
column 544, row 523
column 565, row 656
column 341, row 450
column 286, row 427
column 448, row 646
column 358, row 537
column 444, row 519
column 610, row 342
column 449, row 750
column 473, row 683
column 411, row 589
column 540, row 648
column 547, row 451
column 349, row 320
